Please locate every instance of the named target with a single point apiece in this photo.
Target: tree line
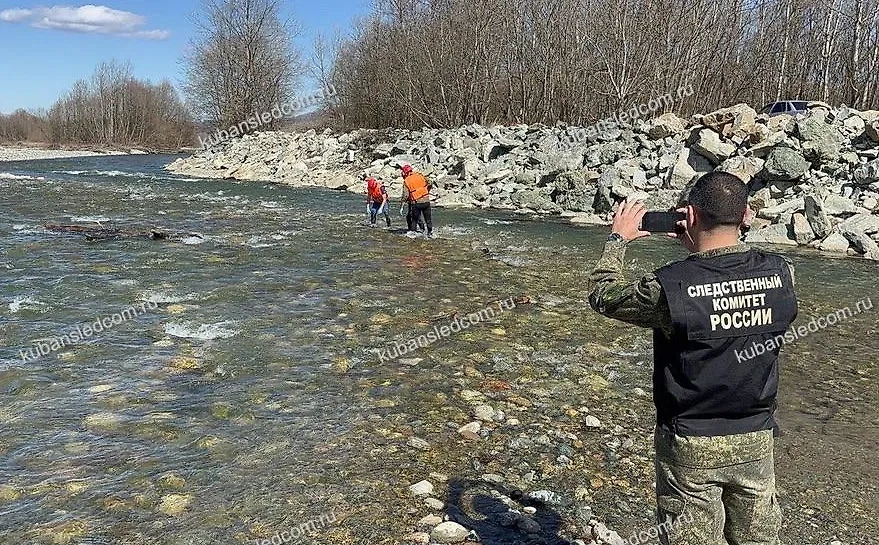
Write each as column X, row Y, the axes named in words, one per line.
column 112, row 108
column 453, row 62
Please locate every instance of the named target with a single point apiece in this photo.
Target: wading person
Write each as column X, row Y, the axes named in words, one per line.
column 715, row 395
column 416, row 192
column 377, row 201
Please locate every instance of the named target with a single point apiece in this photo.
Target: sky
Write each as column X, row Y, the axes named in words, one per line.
column 46, row 46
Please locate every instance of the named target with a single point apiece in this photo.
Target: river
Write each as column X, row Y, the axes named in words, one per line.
column 249, row 390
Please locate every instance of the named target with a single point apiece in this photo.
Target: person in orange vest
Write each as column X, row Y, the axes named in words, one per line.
column 377, row 201
column 416, row 192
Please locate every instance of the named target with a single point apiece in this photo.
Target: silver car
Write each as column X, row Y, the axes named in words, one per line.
column 789, row 107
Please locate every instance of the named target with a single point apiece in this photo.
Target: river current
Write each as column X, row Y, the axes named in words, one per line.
column 241, row 387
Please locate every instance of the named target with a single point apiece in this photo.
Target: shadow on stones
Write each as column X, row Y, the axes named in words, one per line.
column 480, row 506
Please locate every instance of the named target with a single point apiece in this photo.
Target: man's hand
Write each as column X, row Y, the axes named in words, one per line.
column 683, row 232
column 627, row 220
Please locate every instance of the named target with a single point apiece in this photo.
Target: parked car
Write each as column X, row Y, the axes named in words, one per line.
column 790, row 107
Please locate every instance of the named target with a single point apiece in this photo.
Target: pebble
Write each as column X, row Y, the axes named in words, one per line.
column 411, row 362
column 422, row 489
column 172, row 481
column 434, row 504
column 174, row 505
column 470, row 431
column 529, row 510
column 592, row 422
column 449, row 532
column 418, row 537
column 486, row 413
column 9, row 493
column 418, row 443
column 492, row 478
column 545, row 496
column 100, row 388
column 430, row 521
column 472, row 396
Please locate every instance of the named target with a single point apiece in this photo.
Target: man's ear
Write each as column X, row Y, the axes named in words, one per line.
column 692, row 217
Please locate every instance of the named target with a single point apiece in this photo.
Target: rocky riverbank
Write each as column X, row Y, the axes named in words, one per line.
column 814, row 178
column 33, row 153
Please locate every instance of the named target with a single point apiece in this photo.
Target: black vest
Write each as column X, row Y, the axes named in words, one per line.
column 711, row 377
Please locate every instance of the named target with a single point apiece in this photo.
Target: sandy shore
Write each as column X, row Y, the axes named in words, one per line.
column 29, row 154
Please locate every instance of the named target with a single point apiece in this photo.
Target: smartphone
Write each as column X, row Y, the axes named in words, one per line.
column 662, row 222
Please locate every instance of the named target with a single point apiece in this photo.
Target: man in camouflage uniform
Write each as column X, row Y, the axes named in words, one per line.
column 714, row 394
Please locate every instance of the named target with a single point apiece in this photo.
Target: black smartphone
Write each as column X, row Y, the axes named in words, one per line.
column 662, row 222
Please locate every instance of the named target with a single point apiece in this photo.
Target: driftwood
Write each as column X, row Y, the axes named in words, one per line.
column 109, row 233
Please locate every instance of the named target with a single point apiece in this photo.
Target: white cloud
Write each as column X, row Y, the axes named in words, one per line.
column 89, row 19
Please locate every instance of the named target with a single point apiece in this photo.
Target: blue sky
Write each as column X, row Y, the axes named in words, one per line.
column 45, row 47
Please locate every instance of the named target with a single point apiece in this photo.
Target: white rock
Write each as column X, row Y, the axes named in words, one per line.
column 449, row 532
column 485, row 413
column 422, row 489
column 592, row 422
column 472, row 427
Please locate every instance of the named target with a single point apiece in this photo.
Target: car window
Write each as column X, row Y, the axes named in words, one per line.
column 779, row 107
column 800, row 106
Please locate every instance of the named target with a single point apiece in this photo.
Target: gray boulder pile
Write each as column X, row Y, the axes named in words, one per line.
column 814, row 178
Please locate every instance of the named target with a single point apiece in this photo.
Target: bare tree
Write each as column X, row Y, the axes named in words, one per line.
column 453, row 62
column 242, row 61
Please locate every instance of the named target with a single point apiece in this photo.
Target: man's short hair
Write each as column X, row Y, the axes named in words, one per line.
column 719, row 198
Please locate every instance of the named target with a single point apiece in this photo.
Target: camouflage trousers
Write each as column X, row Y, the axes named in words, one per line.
column 716, row 490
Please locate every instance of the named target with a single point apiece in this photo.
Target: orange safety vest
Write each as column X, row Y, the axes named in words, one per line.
column 416, row 185
column 375, row 193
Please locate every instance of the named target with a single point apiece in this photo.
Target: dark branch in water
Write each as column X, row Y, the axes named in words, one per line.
column 107, row 233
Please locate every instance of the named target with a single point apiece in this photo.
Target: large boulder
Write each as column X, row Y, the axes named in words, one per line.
column 746, row 168
column 816, row 215
column 803, row 233
column 835, row 243
column 867, row 174
column 866, row 223
column 785, row 164
column 664, row 126
column 689, row 165
column 871, row 124
column 576, row 191
column 837, row 205
column 862, row 243
column 820, row 140
column 736, row 121
column 772, row 234
column 604, row 200
column 708, row 144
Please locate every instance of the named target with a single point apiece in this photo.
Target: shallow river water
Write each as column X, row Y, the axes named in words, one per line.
column 250, row 390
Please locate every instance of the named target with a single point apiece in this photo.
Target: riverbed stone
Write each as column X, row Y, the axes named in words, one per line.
column 449, row 532
column 174, row 505
column 834, row 243
column 421, row 489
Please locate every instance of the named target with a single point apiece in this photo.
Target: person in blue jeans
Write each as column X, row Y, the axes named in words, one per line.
column 376, row 201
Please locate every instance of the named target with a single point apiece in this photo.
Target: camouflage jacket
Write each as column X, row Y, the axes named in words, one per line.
column 643, row 303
